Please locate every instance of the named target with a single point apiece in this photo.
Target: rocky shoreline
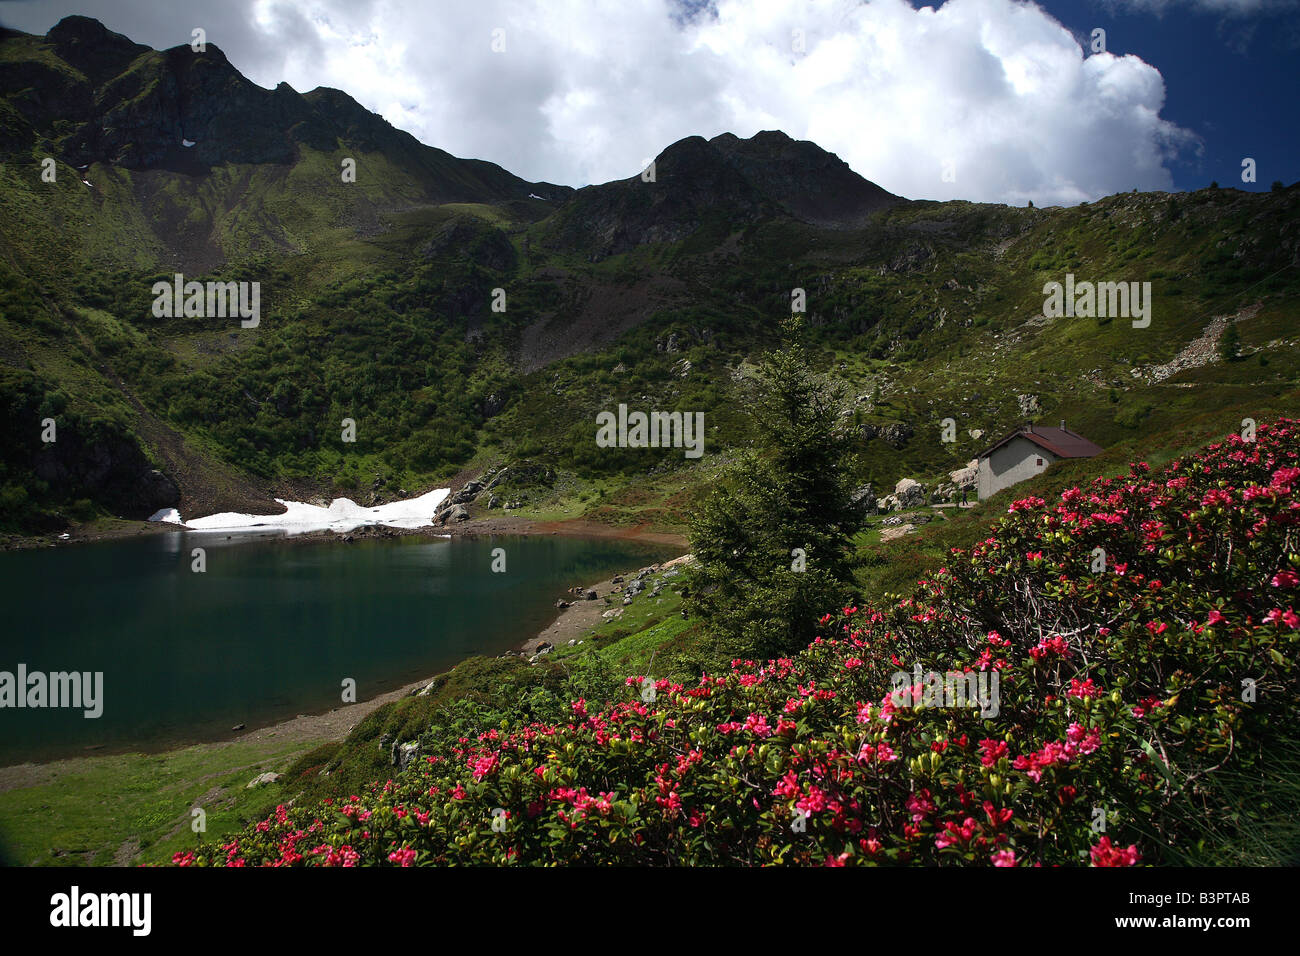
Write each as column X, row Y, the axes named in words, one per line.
column 585, row 607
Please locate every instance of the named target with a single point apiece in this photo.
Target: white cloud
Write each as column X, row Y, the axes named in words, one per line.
column 584, row 92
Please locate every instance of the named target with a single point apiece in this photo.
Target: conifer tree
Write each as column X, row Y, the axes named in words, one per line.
column 772, row 540
column 1230, row 343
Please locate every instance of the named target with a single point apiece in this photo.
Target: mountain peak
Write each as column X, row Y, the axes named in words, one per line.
column 78, row 28
column 810, row 183
column 766, row 138
column 737, row 180
column 185, row 111
column 92, row 48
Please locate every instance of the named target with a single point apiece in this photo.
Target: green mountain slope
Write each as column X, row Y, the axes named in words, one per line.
column 380, row 301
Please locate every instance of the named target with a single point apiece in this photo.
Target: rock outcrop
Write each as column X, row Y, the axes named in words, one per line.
column 895, row 433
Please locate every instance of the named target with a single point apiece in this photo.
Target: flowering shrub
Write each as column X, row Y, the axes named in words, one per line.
column 1122, row 691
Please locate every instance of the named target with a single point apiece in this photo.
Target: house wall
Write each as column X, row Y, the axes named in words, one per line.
column 1015, row 461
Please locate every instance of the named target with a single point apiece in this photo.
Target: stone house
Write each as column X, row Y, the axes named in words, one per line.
column 1026, row 452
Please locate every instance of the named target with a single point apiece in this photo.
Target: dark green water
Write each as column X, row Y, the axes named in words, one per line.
column 270, row 629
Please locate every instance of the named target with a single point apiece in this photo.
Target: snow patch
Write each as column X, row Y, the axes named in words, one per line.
column 535, row 196
column 186, row 142
column 343, row 514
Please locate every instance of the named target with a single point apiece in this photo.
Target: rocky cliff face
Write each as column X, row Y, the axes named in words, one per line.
column 109, row 469
column 77, row 457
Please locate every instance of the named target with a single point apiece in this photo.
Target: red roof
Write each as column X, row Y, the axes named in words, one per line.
column 1061, row 442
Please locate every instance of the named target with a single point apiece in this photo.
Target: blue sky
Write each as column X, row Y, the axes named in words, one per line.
column 987, row 100
column 1231, row 77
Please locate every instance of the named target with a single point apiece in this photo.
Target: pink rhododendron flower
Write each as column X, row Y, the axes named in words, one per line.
column 994, row 750
column 1103, row 854
column 1287, row 617
column 757, row 724
column 404, row 856
column 920, row 805
column 1084, row 689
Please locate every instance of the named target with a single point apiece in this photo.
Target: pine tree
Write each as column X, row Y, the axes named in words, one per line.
column 1230, row 343
column 772, row 541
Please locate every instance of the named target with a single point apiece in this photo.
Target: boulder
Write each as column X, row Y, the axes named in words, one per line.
column 965, row 477
column 454, row 513
column 262, row 780
column 909, row 493
column 468, row 493
column 865, row 499
column 403, row 754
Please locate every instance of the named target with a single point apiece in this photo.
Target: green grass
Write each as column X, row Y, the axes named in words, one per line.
column 637, row 651
column 1262, row 829
column 133, row 808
